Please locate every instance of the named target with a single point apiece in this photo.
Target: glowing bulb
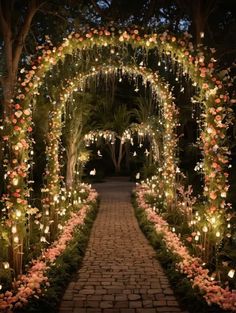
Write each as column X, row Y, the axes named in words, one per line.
column 231, row 273
column 202, row 34
column 173, row 229
column 15, row 181
column 205, row 229
column 18, row 213
column 6, row 265
column 196, row 237
column 213, row 220
column 16, row 239
column 13, row 229
column 46, row 231
column 0, row 287
column 218, row 234
column 43, row 239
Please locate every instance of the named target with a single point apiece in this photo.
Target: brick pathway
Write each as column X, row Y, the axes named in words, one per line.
column 120, row 273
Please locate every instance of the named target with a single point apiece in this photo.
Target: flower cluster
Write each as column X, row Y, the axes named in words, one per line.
column 187, row 264
column 35, row 280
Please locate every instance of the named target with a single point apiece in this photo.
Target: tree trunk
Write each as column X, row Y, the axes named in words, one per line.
column 127, row 156
column 70, row 167
column 112, row 148
column 120, row 156
column 199, row 21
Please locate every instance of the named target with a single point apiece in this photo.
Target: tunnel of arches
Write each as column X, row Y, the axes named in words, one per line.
column 165, row 66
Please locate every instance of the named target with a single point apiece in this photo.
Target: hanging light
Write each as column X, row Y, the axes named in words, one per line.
column 13, row 229
column 6, row 265
column 202, row 34
column 205, row 229
column 231, row 273
column 16, row 239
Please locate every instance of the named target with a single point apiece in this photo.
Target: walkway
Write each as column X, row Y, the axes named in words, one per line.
column 120, row 273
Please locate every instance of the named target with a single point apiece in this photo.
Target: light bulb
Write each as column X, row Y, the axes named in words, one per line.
column 231, row 273
column 213, row 220
column 15, row 181
column 6, row 265
column 46, row 230
column 218, row 234
column 205, row 229
column 13, row 229
column 16, row 239
column 18, row 213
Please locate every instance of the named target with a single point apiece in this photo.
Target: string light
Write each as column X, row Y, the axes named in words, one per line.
column 231, row 273
column 6, row 265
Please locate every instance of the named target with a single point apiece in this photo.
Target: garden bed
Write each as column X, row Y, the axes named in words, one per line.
column 189, row 278
column 41, row 287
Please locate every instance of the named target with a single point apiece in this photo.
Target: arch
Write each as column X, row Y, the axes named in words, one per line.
column 192, row 63
column 161, row 92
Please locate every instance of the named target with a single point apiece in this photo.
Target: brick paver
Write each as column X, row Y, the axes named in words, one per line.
column 120, row 273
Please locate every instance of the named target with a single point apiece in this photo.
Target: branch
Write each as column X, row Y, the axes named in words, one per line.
column 3, row 22
column 100, row 11
column 20, row 39
column 53, row 13
column 227, row 52
column 149, row 13
column 210, row 8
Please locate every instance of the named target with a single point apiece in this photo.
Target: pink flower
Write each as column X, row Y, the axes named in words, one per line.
column 189, row 265
column 32, row 282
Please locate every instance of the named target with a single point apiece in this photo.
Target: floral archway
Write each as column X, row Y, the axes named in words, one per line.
column 180, row 53
column 168, row 111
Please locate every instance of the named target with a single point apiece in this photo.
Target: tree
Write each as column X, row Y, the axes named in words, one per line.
column 115, row 118
column 76, row 125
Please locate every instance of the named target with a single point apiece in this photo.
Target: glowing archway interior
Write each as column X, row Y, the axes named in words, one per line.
column 168, row 110
column 194, row 64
